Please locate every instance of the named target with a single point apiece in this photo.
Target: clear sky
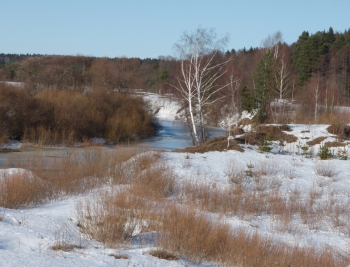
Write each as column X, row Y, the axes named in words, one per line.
column 149, row 28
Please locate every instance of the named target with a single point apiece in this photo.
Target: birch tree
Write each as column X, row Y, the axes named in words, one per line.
column 199, row 76
column 282, row 78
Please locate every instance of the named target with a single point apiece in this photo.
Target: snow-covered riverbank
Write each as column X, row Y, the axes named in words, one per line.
column 315, row 192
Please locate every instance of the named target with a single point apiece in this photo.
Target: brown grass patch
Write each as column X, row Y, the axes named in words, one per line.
column 335, row 144
column 316, row 141
column 163, row 254
column 215, row 144
column 119, row 256
column 264, row 132
column 65, row 247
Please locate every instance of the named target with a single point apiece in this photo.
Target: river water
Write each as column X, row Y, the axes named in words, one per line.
column 175, row 135
column 172, row 135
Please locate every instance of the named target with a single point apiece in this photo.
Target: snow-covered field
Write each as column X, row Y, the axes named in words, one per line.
column 27, row 235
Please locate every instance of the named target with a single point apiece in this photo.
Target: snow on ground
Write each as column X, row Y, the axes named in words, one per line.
column 27, row 235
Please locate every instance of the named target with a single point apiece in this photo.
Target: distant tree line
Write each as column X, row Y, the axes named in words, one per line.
column 313, row 72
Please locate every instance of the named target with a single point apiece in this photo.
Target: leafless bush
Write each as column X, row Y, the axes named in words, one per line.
column 268, row 167
column 234, row 172
column 325, row 168
column 112, row 217
column 289, row 172
column 67, row 240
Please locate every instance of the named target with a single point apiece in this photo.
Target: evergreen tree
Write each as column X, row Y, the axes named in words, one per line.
column 263, row 79
column 247, row 99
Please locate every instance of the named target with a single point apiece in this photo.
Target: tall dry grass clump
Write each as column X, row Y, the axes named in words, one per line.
column 23, row 189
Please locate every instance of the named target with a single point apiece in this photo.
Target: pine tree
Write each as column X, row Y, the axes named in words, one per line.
column 263, row 79
column 247, row 99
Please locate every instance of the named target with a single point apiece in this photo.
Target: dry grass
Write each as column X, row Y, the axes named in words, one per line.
column 263, row 132
column 215, row 144
column 119, row 256
column 316, row 141
column 335, row 144
column 197, row 236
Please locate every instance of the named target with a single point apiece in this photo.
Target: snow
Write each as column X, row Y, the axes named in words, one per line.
column 27, row 235
column 166, row 108
column 14, row 84
column 11, row 145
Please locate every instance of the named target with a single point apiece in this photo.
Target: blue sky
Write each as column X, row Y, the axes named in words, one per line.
column 149, row 28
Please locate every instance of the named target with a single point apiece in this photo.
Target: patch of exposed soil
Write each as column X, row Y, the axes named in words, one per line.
column 215, row 144
column 316, row 141
column 263, row 132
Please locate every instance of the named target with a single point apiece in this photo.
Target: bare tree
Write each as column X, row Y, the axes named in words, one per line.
column 317, row 92
column 234, row 86
column 282, row 77
column 272, row 42
column 200, row 72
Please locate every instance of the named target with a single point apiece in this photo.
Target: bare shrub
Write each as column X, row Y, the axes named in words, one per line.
column 234, row 172
column 66, row 240
column 112, row 217
column 325, row 168
column 289, row 172
column 268, row 167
